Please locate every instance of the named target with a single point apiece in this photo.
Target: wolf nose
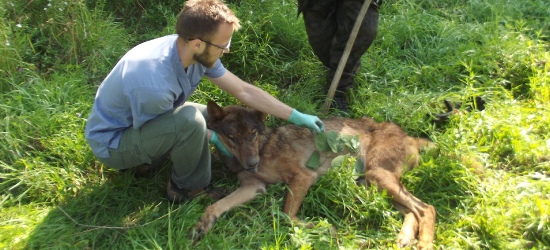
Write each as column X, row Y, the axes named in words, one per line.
column 252, row 163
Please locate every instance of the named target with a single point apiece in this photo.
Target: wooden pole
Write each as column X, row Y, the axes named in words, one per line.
column 345, row 55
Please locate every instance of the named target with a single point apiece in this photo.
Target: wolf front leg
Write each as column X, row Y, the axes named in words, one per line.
column 298, row 187
column 249, row 188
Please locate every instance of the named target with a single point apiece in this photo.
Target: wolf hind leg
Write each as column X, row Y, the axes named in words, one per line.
column 409, row 229
column 423, row 213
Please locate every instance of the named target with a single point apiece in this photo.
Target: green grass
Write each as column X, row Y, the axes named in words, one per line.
column 489, row 179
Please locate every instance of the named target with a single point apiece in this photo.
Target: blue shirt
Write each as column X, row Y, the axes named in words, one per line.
column 149, row 80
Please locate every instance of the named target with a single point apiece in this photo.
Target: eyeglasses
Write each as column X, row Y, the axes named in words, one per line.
column 224, row 49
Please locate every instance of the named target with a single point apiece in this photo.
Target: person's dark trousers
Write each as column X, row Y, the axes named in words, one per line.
column 329, row 24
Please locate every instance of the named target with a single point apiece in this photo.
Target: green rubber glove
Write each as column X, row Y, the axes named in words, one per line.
column 219, row 145
column 308, row 121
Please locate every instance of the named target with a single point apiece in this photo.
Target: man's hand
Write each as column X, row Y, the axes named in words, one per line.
column 309, row 121
column 219, row 145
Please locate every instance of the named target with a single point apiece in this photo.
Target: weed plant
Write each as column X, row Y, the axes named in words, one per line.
column 488, row 179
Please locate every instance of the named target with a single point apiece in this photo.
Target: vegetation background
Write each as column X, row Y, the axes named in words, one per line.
column 489, row 179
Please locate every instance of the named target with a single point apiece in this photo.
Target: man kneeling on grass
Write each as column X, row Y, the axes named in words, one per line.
column 141, row 113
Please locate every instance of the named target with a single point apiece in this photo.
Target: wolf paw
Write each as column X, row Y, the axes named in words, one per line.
column 202, row 227
column 404, row 241
column 425, row 246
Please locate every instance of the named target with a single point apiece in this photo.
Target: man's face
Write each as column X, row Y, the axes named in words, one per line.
column 216, row 48
column 206, row 59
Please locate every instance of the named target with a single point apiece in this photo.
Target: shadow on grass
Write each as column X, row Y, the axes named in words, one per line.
column 121, row 213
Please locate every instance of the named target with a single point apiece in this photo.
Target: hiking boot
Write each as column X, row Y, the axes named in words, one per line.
column 141, row 171
column 145, row 170
column 340, row 102
column 177, row 195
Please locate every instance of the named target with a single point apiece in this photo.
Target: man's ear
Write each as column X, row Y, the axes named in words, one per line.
column 215, row 112
column 195, row 43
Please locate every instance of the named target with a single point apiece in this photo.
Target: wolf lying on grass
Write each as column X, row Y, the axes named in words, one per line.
column 265, row 156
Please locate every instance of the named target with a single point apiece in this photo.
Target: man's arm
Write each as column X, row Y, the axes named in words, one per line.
column 258, row 99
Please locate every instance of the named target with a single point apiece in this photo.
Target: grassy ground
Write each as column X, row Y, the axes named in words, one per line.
column 489, row 179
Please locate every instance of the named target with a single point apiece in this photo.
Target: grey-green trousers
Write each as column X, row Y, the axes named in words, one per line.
column 180, row 134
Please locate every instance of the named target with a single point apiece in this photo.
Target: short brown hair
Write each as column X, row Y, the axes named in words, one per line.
column 201, row 18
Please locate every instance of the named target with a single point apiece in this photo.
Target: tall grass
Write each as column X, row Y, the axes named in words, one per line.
column 489, row 178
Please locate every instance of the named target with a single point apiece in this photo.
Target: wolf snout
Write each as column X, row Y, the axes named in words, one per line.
column 252, row 165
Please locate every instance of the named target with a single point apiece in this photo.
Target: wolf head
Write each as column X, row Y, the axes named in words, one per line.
column 240, row 130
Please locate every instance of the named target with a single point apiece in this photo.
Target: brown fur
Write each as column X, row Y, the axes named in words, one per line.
column 271, row 155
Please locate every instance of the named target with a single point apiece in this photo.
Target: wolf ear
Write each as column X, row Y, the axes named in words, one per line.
column 215, row 112
column 261, row 115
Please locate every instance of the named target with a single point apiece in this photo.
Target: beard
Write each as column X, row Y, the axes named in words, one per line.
column 205, row 59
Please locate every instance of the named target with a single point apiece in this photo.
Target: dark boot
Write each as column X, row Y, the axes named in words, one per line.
column 147, row 170
column 177, row 195
column 340, row 101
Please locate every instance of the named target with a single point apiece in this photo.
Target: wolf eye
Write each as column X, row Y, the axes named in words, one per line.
column 232, row 139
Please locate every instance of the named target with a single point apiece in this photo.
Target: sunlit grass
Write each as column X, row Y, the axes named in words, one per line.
column 489, row 178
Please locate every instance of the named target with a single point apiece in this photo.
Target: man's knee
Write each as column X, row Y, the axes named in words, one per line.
column 189, row 118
